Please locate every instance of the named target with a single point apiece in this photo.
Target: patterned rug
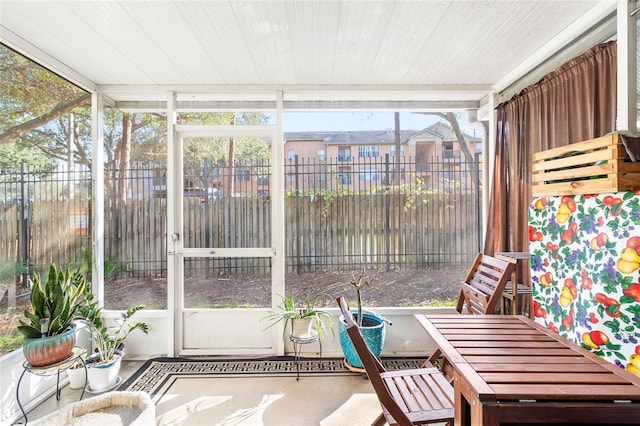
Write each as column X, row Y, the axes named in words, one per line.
column 259, row 392
column 154, row 373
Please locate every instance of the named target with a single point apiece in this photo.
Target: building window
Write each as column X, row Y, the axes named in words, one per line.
column 368, row 151
column 393, row 151
column 401, row 173
column 344, row 175
column 447, row 150
column 263, row 180
column 321, row 154
column 344, row 153
column 242, row 175
column 369, row 174
column 291, row 177
column 291, row 154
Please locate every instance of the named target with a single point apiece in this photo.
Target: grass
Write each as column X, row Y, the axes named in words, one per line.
column 10, row 343
column 443, row 303
column 10, row 337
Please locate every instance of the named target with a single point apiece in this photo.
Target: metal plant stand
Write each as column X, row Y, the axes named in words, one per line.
column 298, row 341
column 50, row 370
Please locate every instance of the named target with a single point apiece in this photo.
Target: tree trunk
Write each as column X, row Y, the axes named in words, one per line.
column 396, row 171
column 124, row 157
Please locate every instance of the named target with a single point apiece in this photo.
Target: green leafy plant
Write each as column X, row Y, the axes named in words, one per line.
column 108, row 339
column 288, row 311
column 84, row 263
column 54, row 301
column 8, row 270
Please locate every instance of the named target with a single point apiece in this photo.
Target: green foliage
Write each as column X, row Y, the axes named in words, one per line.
column 34, row 109
column 8, row 270
column 108, row 339
column 84, row 263
column 12, row 155
column 55, row 298
column 288, row 310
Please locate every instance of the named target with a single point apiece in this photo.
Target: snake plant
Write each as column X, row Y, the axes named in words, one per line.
column 54, row 300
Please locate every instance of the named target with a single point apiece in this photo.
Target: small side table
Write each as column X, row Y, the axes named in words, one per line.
column 50, row 370
column 297, row 346
column 517, row 288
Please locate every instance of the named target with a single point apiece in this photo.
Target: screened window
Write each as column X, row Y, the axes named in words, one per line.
column 368, row 151
column 242, row 175
column 263, row 179
column 393, row 151
column 369, row 174
column 447, row 151
column 344, row 175
column 344, row 153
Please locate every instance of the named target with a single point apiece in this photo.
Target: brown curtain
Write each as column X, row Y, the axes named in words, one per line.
column 574, row 103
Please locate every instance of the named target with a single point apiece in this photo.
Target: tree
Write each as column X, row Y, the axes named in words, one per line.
column 462, row 140
column 12, row 155
column 33, row 104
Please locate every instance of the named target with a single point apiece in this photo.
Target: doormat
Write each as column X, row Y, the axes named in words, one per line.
column 156, row 372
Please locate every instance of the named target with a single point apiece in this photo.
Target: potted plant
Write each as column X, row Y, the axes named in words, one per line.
column 103, row 367
column 77, row 375
column 303, row 319
column 48, row 328
column 372, row 327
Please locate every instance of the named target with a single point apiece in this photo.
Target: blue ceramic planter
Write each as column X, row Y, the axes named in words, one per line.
column 373, row 336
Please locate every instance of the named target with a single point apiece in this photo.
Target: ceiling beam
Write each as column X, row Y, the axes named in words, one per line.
column 381, row 105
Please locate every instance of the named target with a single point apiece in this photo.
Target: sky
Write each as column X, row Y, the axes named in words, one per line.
column 345, row 121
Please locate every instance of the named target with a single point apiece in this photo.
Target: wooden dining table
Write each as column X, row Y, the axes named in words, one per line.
column 510, row 370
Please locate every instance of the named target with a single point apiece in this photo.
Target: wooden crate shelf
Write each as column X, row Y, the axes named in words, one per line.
column 595, row 166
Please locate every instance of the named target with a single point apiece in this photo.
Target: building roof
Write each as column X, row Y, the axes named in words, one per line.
column 357, row 137
column 365, row 137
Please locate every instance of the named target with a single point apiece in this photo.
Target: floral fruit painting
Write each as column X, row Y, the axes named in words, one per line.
column 585, row 272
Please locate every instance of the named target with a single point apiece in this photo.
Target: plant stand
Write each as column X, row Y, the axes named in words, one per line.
column 297, row 347
column 50, row 370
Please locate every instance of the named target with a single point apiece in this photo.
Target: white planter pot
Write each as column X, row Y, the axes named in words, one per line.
column 302, row 328
column 77, row 377
column 102, row 376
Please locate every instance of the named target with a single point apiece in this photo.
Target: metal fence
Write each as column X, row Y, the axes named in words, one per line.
column 340, row 213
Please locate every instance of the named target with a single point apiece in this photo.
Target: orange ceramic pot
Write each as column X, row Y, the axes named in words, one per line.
column 45, row 351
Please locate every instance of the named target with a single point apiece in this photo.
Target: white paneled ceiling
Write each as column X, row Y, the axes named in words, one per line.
column 338, row 51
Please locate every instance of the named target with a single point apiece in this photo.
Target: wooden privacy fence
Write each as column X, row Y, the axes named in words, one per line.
column 327, row 227
column 377, row 231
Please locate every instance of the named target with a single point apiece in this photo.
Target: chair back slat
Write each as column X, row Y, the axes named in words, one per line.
column 482, row 290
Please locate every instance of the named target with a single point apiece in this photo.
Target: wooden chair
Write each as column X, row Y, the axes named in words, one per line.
column 480, row 293
column 408, row 397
